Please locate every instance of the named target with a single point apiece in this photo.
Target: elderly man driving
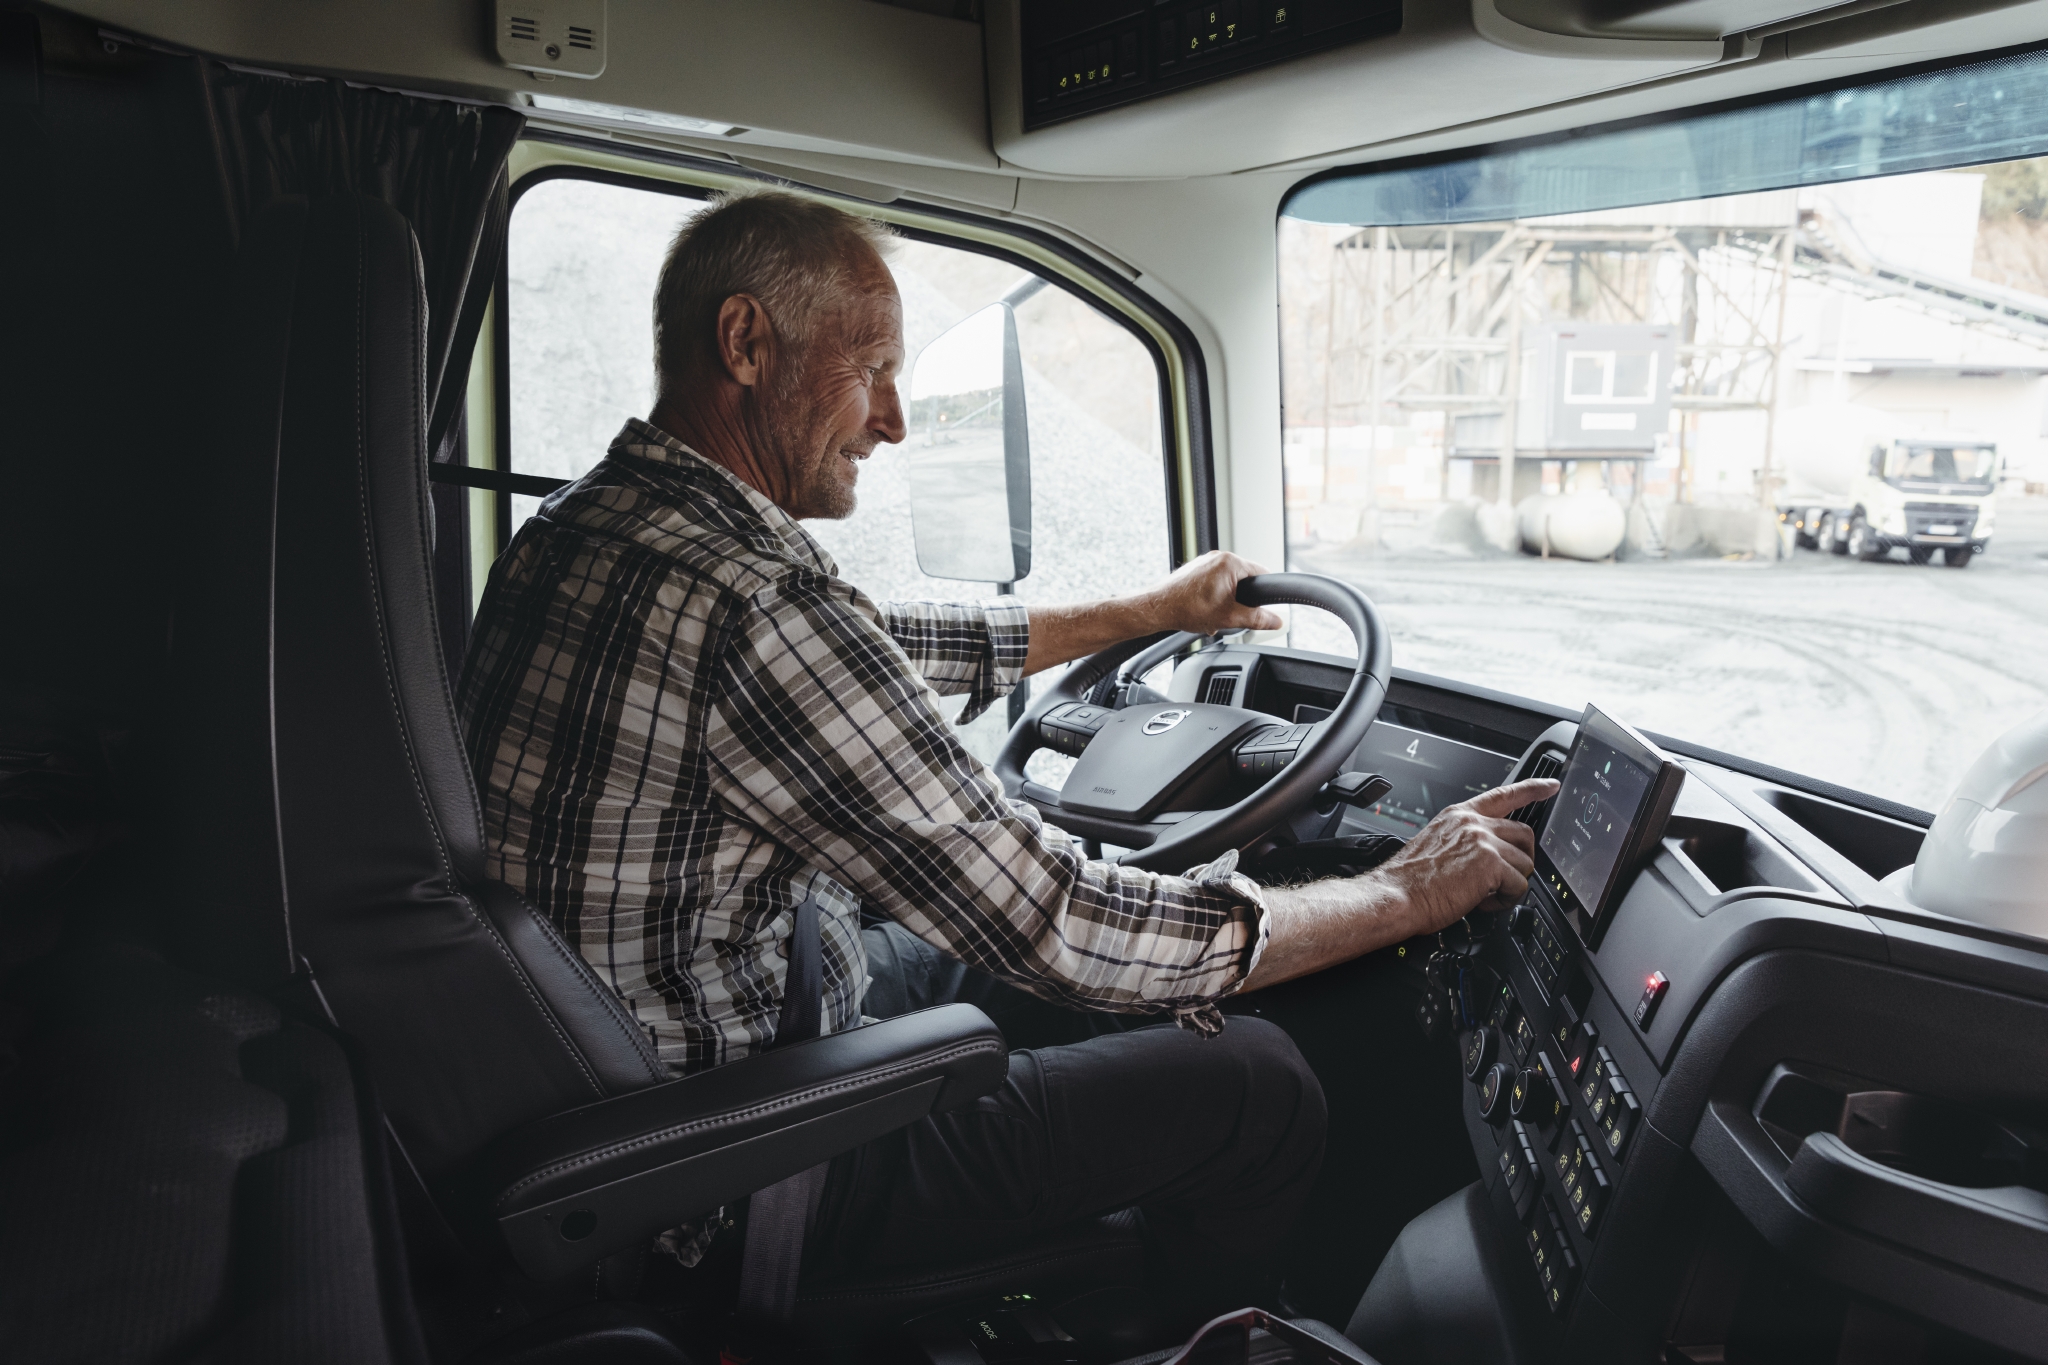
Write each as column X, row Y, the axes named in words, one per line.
column 688, row 727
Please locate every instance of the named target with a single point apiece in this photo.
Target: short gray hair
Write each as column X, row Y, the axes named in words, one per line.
column 793, row 254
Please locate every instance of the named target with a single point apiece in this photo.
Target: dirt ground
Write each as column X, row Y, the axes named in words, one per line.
column 1888, row 677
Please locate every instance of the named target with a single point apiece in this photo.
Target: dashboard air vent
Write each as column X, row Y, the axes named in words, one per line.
column 1549, row 763
column 1220, row 687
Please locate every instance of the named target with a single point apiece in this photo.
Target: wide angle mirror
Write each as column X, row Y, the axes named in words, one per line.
column 970, row 453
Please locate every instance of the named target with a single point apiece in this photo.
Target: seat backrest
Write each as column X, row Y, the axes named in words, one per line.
column 473, row 1014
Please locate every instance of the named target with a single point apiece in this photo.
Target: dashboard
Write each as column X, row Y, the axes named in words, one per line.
column 1708, row 1059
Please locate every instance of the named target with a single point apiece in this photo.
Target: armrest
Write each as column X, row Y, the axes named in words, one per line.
column 576, row 1187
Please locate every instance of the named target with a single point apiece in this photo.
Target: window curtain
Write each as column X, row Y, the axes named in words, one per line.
column 439, row 162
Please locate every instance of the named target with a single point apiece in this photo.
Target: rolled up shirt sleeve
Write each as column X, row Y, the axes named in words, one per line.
column 973, row 647
column 823, row 735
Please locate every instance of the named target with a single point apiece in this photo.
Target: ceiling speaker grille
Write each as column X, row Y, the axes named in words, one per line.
column 523, row 30
column 581, row 37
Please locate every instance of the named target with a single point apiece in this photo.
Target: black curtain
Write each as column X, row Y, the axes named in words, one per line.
column 441, row 164
column 438, row 162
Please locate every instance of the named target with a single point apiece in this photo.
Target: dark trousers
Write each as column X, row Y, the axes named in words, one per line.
column 1217, row 1140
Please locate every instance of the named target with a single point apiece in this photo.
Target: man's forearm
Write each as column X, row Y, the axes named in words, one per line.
column 1200, row 596
column 1074, row 630
column 1324, row 923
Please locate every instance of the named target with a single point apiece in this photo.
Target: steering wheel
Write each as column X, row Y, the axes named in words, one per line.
column 1145, row 770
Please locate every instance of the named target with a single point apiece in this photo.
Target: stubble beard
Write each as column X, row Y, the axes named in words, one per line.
column 816, row 490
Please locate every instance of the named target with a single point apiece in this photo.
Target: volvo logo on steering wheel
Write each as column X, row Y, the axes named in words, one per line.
column 1162, row 721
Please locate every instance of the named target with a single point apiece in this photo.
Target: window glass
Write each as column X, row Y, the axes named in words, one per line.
column 582, row 264
column 1764, row 471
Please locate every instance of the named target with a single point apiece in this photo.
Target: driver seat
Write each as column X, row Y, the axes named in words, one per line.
column 528, row 1102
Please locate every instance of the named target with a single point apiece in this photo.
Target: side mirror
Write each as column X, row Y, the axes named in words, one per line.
column 969, row 449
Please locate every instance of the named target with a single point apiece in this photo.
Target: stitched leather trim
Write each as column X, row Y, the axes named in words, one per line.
column 728, row 1119
column 607, row 998
column 366, row 505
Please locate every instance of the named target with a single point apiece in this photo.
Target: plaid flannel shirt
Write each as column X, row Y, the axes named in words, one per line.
column 684, row 722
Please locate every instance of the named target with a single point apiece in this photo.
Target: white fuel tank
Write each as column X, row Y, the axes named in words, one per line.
column 1582, row 525
column 1986, row 858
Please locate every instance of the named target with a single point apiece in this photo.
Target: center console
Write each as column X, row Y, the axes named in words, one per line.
column 1554, row 1064
column 1724, row 1088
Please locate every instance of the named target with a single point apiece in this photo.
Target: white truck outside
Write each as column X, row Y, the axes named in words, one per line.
column 1857, row 486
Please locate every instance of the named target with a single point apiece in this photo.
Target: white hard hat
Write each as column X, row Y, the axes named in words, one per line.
column 1986, row 858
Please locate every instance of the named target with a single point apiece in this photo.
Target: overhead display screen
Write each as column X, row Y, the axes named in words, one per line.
column 1616, row 790
column 1084, row 56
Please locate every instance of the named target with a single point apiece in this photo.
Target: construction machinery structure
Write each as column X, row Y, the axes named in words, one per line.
column 1447, row 321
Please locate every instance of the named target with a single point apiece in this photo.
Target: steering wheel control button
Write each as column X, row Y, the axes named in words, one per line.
column 1493, row 1093
column 1653, row 995
column 1479, row 1050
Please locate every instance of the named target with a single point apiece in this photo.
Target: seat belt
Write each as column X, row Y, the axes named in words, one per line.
column 779, row 1218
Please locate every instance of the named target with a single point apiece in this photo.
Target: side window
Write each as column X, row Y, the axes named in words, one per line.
column 582, row 262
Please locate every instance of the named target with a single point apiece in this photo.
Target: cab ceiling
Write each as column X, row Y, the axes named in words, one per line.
column 892, row 88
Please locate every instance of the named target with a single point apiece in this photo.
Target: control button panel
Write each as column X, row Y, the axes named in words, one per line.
column 1266, row 752
column 1584, row 1181
column 1493, row 1092
column 1551, row 1091
column 1067, row 729
column 1541, row 946
column 1521, row 1168
column 1619, row 1123
column 1653, row 995
column 1550, row 1251
column 1522, row 1039
column 1079, row 59
column 1480, row 1048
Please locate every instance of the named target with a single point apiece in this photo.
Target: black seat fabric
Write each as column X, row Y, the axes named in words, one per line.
column 383, row 897
column 186, row 1175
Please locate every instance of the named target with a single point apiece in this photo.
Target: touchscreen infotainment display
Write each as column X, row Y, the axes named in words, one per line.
column 1616, row 790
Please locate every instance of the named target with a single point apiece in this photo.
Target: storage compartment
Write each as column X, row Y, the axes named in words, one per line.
column 1918, row 1135
column 1877, row 845
column 1945, row 1181
column 1722, row 858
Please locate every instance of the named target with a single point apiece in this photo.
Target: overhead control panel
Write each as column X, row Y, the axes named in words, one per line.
column 1083, row 56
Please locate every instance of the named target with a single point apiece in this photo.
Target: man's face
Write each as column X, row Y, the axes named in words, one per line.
column 827, row 411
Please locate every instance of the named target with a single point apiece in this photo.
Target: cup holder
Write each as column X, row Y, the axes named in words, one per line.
column 1930, row 1138
column 1943, row 1181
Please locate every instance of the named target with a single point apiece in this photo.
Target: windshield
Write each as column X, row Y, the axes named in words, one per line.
column 1589, row 420
column 1906, row 465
